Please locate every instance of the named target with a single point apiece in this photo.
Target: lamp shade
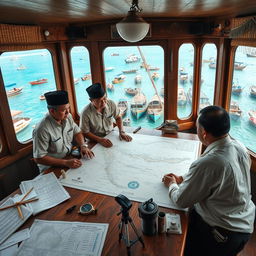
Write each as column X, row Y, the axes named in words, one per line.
column 132, row 28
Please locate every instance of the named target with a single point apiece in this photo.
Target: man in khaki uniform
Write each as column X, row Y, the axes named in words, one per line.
column 53, row 136
column 96, row 119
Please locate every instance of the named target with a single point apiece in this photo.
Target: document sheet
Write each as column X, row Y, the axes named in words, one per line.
column 134, row 168
column 49, row 191
column 54, row 238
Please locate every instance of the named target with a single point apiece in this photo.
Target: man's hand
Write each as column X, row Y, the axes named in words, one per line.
column 124, row 136
column 168, row 180
column 106, row 143
column 178, row 179
column 86, row 152
column 73, row 163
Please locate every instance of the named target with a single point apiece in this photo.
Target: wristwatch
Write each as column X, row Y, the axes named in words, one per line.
column 85, row 145
column 87, row 209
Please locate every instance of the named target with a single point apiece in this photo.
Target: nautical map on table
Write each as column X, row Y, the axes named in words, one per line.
column 134, row 169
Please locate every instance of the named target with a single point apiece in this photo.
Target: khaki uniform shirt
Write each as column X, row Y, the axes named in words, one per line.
column 53, row 139
column 100, row 124
column 218, row 185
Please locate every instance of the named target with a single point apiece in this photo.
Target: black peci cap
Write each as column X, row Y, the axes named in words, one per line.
column 56, row 98
column 95, row 91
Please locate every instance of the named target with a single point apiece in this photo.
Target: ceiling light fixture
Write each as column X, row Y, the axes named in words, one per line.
column 133, row 28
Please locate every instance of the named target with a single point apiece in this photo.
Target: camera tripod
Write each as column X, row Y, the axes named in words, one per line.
column 125, row 220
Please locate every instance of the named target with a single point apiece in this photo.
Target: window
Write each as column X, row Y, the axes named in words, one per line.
column 135, row 81
column 27, row 76
column 82, row 75
column 185, row 80
column 243, row 97
column 208, row 73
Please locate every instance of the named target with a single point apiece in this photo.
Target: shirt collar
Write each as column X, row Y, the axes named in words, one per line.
column 105, row 110
column 54, row 121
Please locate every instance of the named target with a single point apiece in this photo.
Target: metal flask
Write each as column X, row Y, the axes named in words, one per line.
column 148, row 212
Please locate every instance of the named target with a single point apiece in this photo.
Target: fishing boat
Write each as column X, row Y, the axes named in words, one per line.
column 39, row 81
column 138, row 79
column 127, row 122
column 212, row 65
column 204, row 101
column 21, row 67
column 118, row 79
column 15, row 113
column 149, row 67
column 253, row 91
column 183, row 77
column 210, row 60
column 20, row 123
column 132, row 58
column 10, row 85
column 129, row 71
column 236, row 89
column 110, row 87
column 86, row 77
column 108, row 69
column 155, row 108
column 132, row 91
column 234, row 111
column 182, row 97
column 239, row 65
column 252, row 117
column 42, row 97
column 76, row 81
column 155, row 76
column 139, row 105
column 14, row 91
column 123, row 106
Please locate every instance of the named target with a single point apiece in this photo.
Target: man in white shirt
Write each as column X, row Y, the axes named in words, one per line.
column 218, row 187
column 53, row 137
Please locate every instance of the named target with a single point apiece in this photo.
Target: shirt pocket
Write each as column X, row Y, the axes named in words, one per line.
column 70, row 135
column 56, row 145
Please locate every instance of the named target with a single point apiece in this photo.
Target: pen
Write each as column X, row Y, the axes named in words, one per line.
column 69, row 210
column 137, row 129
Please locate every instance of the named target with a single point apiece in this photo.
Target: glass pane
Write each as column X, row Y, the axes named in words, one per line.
column 82, row 75
column 185, row 80
column 27, row 76
column 208, row 73
column 135, row 81
column 243, row 97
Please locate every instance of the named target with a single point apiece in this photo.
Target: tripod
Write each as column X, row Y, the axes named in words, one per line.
column 125, row 220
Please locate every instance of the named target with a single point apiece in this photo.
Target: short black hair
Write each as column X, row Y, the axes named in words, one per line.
column 215, row 120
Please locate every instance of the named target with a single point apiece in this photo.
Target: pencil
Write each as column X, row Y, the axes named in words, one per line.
column 26, row 194
column 19, row 211
column 19, row 203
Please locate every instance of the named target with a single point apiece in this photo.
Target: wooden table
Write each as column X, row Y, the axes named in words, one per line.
column 157, row 245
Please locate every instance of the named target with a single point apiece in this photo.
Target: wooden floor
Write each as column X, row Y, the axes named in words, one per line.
column 250, row 248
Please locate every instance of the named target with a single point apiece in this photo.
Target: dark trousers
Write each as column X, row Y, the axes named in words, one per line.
column 204, row 240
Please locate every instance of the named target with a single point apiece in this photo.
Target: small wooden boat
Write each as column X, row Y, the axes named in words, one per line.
column 204, row 101
column 21, row 67
column 253, row 91
column 182, row 97
column 127, row 122
column 252, row 117
column 10, row 85
column 210, row 60
column 132, row 58
column 130, row 71
column 236, row 89
column 155, row 76
column 14, row 91
column 239, row 65
column 234, row 111
column 118, row 79
column 76, row 81
column 155, row 108
column 149, row 67
column 42, row 97
column 39, row 81
column 132, row 91
column 86, row 77
column 139, row 105
column 108, row 69
column 15, row 112
column 110, row 87
column 123, row 106
column 20, row 123
column 137, row 79
column 183, row 77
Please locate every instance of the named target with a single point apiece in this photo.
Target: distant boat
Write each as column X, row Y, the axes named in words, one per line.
column 76, row 81
column 234, row 111
column 183, row 77
column 129, row 71
column 236, row 89
column 110, row 87
column 118, row 79
column 39, row 81
column 210, row 60
column 14, row 91
column 155, row 108
column 253, row 91
column 239, row 65
column 138, row 79
column 20, row 123
column 155, row 76
column 182, row 97
column 251, row 54
column 132, row 58
column 139, row 105
column 252, row 117
column 132, row 91
column 127, row 122
column 204, row 101
column 108, row 69
column 42, row 97
column 148, row 67
column 123, row 106
column 21, row 67
column 212, row 65
column 10, row 85
column 15, row 113
column 86, row 77
column 114, row 54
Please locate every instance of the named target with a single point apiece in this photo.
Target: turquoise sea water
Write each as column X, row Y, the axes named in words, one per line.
column 38, row 65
